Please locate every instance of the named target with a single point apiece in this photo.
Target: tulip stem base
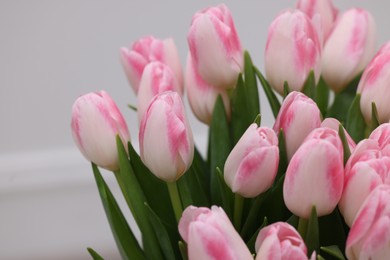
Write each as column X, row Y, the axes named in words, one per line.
column 175, row 199
column 238, row 206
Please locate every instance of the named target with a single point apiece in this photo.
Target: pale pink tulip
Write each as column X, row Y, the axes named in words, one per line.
column 293, row 49
column 96, row 121
column 201, row 95
column 369, row 237
column 315, row 174
column 374, row 86
column 334, row 124
column 166, row 141
column 146, row 50
column 156, row 78
column 251, row 166
column 280, row 241
column 210, row 235
column 215, row 46
column 353, row 40
column 322, row 12
column 298, row 116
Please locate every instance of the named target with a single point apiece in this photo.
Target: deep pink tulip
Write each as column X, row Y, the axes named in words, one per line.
column 293, row 49
column 374, row 86
column 215, row 46
column 210, row 235
column 201, row 95
column 322, row 12
column 156, row 78
column 353, row 40
column 334, row 124
column 298, row 116
column 146, row 50
column 280, row 241
column 166, row 141
column 251, row 166
column 96, row 121
column 315, row 174
column 369, row 236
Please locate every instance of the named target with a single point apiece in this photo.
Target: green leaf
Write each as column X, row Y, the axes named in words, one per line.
column 293, row 221
column 132, row 107
column 309, row 88
column 183, row 250
column 374, row 117
column 257, row 120
column 319, row 257
column 135, row 199
column 333, row 230
column 283, row 161
column 226, row 194
column 127, row 243
column 252, row 240
column 344, row 141
column 286, row 89
column 94, row 254
column 272, row 99
column 355, row 124
column 333, row 251
column 322, row 97
column 312, row 233
column 161, row 234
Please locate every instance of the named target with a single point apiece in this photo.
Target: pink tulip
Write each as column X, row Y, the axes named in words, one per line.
column 210, row 235
column 280, row 241
column 334, row 124
column 369, row 237
column 251, row 166
column 353, row 41
column 201, row 95
column 367, row 167
column 166, row 142
column 320, row 11
column 374, row 85
column 146, row 50
column 96, row 121
column 215, row 46
column 298, row 116
column 156, row 78
column 315, row 174
column 293, row 49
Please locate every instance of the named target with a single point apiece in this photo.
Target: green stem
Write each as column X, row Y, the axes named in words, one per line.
column 238, row 205
column 123, row 189
column 302, row 227
column 175, row 199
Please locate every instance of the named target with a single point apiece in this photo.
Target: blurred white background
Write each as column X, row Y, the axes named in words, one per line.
column 50, row 53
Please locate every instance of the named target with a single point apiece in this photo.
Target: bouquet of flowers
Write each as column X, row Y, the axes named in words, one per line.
column 316, row 185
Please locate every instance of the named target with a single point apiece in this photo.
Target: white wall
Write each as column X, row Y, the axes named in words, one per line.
column 50, row 53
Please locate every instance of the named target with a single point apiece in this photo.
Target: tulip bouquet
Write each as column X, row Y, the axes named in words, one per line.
column 316, row 185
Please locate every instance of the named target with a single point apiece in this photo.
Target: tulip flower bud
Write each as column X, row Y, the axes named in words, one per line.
column 280, row 241
column 367, row 167
column 298, row 116
column 201, row 95
column 166, row 142
column 96, row 121
column 210, row 235
column 315, row 174
column 251, row 166
column 334, row 124
column 353, row 41
column 369, row 236
column 157, row 78
column 321, row 11
column 146, row 50
column 293, row 49
column 374, row 86
column 215, row 46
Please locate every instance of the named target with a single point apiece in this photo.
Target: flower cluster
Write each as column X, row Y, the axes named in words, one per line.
column 315, row 185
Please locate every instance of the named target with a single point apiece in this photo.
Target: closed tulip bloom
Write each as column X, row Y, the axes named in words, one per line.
column 280, row 241
column 374, row 86
column 215, row 47
column 315, row 174
column 353, row 40
column 166, row 141
column 320, row 11
column 202, row 95
column 210, row 235
column 96, row 121
column 369, row 236
column 157, row 78
column 334, row 124
column 251, row 166
column 293, row 49
column 298, row 116
column 146, row 50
